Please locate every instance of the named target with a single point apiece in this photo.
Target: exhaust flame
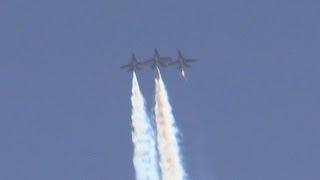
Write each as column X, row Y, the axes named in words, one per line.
column 183, row 74
column 170, row 158
column 145, row 159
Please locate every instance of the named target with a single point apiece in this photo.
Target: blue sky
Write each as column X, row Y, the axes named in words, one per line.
column 249, row 109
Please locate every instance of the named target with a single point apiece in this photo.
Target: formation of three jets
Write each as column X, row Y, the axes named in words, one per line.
column 157, row 62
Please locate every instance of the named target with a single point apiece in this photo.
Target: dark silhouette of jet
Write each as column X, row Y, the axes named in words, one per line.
column 182, row 63
column 158, row 61
column 134, row 65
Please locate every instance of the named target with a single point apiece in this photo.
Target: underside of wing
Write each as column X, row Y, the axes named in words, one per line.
column 125, row 66
column 166, row 59
column 173, row 63
column 191, row 60
column 148, row 62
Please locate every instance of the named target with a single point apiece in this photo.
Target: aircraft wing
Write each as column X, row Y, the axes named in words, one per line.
column 173, row 63
column 125, row 66
column 130, row 70
column 165, row 61
column 148, row 61
column 191, row 60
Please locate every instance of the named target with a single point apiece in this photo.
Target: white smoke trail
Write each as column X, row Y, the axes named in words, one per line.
column 170, row 158
column 145, row 154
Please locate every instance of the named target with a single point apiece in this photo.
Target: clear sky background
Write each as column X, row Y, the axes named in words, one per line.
column 249, row 110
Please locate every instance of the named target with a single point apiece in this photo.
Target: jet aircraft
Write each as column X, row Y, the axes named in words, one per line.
column 134, row 65
column 158, row 61
column 182, row 63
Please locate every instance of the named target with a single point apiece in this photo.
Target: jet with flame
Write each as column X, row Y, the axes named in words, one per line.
column 183, row 63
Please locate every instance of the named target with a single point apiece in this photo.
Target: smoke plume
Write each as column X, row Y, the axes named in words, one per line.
column 170, row 158
column 145, row 154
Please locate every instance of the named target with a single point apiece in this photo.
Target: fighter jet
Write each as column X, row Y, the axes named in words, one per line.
column 158, row 61
column 134, row 65
column 183, row 63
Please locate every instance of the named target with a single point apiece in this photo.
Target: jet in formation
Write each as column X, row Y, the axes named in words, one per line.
column 134, row 65
column 182, row 63
column 158, row 61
